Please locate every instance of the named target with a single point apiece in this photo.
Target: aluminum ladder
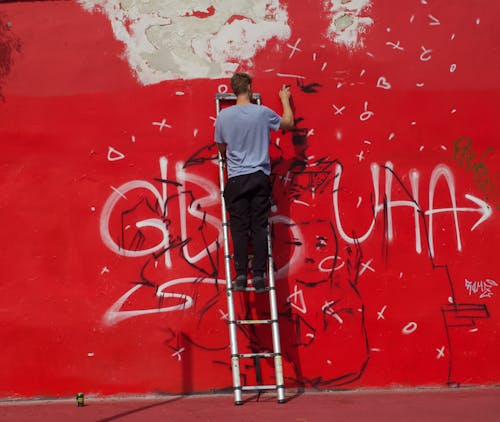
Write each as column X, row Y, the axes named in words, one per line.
column 271, row 290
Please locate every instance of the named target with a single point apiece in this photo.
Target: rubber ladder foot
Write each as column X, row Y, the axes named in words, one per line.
column 238, row 403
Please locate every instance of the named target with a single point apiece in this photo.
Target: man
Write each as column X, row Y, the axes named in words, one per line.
column 242, row 134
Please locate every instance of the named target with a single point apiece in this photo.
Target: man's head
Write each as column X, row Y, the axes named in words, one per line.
column 241, row 83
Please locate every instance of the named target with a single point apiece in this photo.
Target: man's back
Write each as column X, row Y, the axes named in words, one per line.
column 245, row 131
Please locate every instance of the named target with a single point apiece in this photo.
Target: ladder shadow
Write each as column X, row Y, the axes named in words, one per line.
column 267, row 396
column 139, row 409
column 283, row 249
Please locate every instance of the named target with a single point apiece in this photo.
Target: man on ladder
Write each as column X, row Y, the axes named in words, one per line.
column 242, row 134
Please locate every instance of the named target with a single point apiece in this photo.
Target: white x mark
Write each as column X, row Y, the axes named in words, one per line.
column 380, row 315
column 162, row 124
column 286, row 178
column 178, row 353
column 395, row 46
column 328, row 310
column 294, row 48
column 366, row 267
column 440, row 352
column 224, row 315
column 338, row 110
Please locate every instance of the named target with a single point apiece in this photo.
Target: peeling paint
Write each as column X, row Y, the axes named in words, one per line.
column 198, row 39
column 343, row 22
column 348, row 21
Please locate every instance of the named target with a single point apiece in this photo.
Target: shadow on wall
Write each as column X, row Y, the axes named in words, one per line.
column 9, row 44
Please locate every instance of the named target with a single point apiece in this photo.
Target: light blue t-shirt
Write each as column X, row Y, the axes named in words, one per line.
column 245, row 131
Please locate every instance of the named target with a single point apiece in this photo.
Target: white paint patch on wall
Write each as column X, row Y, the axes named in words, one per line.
column 176, row 39
column 348, row 21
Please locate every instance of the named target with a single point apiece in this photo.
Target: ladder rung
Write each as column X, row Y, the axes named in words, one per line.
column 252, row 289
column 230, row 96
column 254, row 321
column 254, row 355
column 258, row 387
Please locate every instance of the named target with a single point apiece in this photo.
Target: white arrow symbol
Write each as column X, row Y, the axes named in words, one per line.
column 484, row 209
column 435, row 21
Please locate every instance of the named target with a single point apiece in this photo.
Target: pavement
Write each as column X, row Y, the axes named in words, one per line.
column 429, row 405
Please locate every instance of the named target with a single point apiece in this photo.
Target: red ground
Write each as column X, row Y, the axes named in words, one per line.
column 438, row 405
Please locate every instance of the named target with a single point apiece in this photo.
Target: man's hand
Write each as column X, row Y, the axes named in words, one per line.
column 287, row 118
column 285, row 93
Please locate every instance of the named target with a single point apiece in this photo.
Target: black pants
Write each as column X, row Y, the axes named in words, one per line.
column 248, row 199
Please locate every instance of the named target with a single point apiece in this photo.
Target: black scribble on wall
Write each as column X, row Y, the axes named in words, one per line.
column 309, row 88
column 353, row 308
column 455, row 315
column 305, row 179
column 299, row 135
column 9, row 44
column 298, row 176
column 133, row 238
column 207, row 153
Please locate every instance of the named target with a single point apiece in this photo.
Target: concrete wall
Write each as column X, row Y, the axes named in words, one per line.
column 387, row 193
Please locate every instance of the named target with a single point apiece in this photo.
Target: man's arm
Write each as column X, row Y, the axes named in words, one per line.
column 287, row 121
column 222, row 149
column 221, row 146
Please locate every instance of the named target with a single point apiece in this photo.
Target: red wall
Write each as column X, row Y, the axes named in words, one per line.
column 385, row 233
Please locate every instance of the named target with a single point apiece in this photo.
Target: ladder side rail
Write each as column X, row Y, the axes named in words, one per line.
column 235, row 367
column 278, row 361
column 278, row 364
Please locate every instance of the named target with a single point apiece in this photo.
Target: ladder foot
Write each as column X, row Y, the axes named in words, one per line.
column 282, row 401
column 238, row 403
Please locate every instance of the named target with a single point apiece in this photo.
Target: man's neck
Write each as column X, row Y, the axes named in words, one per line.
column 243, row 99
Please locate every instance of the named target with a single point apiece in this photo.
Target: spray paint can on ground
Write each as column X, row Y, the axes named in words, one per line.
column 80, row 400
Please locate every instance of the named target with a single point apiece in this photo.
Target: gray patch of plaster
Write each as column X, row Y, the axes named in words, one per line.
column 348, row 21
column 343, row 22
column 175, row 39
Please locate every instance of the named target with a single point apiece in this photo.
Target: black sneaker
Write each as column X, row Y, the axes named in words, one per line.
column 259, row 284
column 240, row 284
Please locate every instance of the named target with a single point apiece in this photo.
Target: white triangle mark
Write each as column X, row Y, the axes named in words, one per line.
column 298, row 300
column 114, row 155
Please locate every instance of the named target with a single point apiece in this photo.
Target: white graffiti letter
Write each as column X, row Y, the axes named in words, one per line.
column 375, row 178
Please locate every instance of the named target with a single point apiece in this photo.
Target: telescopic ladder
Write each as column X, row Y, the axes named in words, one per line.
column 271, row 290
